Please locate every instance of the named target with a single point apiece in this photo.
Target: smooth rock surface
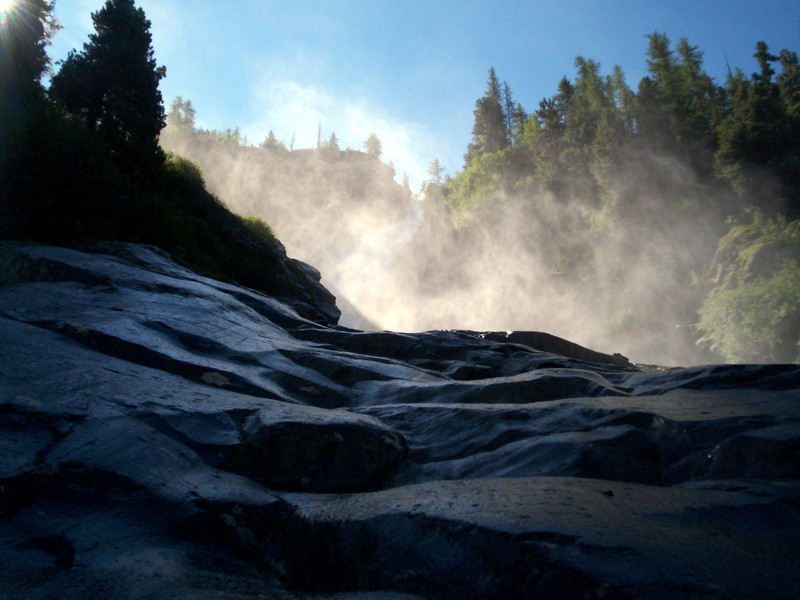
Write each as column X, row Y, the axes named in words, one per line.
column 167, row 435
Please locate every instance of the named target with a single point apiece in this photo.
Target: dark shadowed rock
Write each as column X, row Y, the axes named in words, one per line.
column 315, row 450
column 59, row 547
column 556, row 345
column 163, row 434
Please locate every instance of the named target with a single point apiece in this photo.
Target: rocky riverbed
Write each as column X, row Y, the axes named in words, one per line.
column 163, row 434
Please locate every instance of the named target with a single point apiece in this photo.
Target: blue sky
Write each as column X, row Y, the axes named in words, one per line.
column 411, row 71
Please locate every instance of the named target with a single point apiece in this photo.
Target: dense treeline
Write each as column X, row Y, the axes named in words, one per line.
column 80, row 161
column 740, row 132
column 680, row 153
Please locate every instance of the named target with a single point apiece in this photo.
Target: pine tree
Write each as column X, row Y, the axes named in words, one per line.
column 113, row 84
column 26, row 134
column 657, row 92
column 761, row 130
column 182, row 114
column 789, row 81
column 519, row 119
column 493, row 86
column 509, row 109
column 489, row 132
column 28, row 26
column 273, row 144
column 661, row 64
column 436, row 171
column 552, row 113
column 588, row 105
column 678, row 106
column 333, row 142
column 624, row 99
column 373, row 145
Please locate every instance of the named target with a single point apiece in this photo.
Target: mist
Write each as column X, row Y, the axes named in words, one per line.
column 529, row 262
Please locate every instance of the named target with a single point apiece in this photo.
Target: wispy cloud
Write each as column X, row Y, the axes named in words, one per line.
column 290, row 108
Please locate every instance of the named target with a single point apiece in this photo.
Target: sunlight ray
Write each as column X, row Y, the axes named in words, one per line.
column 6, row 6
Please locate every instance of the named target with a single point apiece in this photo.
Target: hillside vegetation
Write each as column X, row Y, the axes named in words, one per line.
column 316, row 199
column 652, row 203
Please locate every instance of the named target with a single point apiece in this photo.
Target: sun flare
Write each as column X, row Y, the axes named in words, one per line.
column 5, row 6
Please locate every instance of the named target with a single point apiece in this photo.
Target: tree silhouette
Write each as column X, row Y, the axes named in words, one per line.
column 113, row 85
column 27, row 28
column 272, row 143
column 489, row 132
column 333, row 142
column 373, row 145
column 182, row 114
column 436, row 171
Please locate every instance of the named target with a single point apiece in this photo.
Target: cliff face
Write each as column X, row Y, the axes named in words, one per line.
column 168, row 435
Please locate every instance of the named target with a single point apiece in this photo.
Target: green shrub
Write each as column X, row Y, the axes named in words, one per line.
column 753, row 314
column 478, row 188
column 182, row 168
column 261, row 229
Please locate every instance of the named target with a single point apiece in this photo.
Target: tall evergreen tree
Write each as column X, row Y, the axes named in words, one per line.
column 678, row 106
column 436, row 171
column 273, row 144
column 373, row 145
column 493, row 86
column 333, row 142
column 552, row 113
column 518, row 120
column 661, row 64
column 652, row 115
column 789, row 81
column 27, row 27
column 761, row 130
column 591, row 101
column 624, row 99
column 489, row 132
column 182, row 114
column 508, row 110
column 113, row 84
